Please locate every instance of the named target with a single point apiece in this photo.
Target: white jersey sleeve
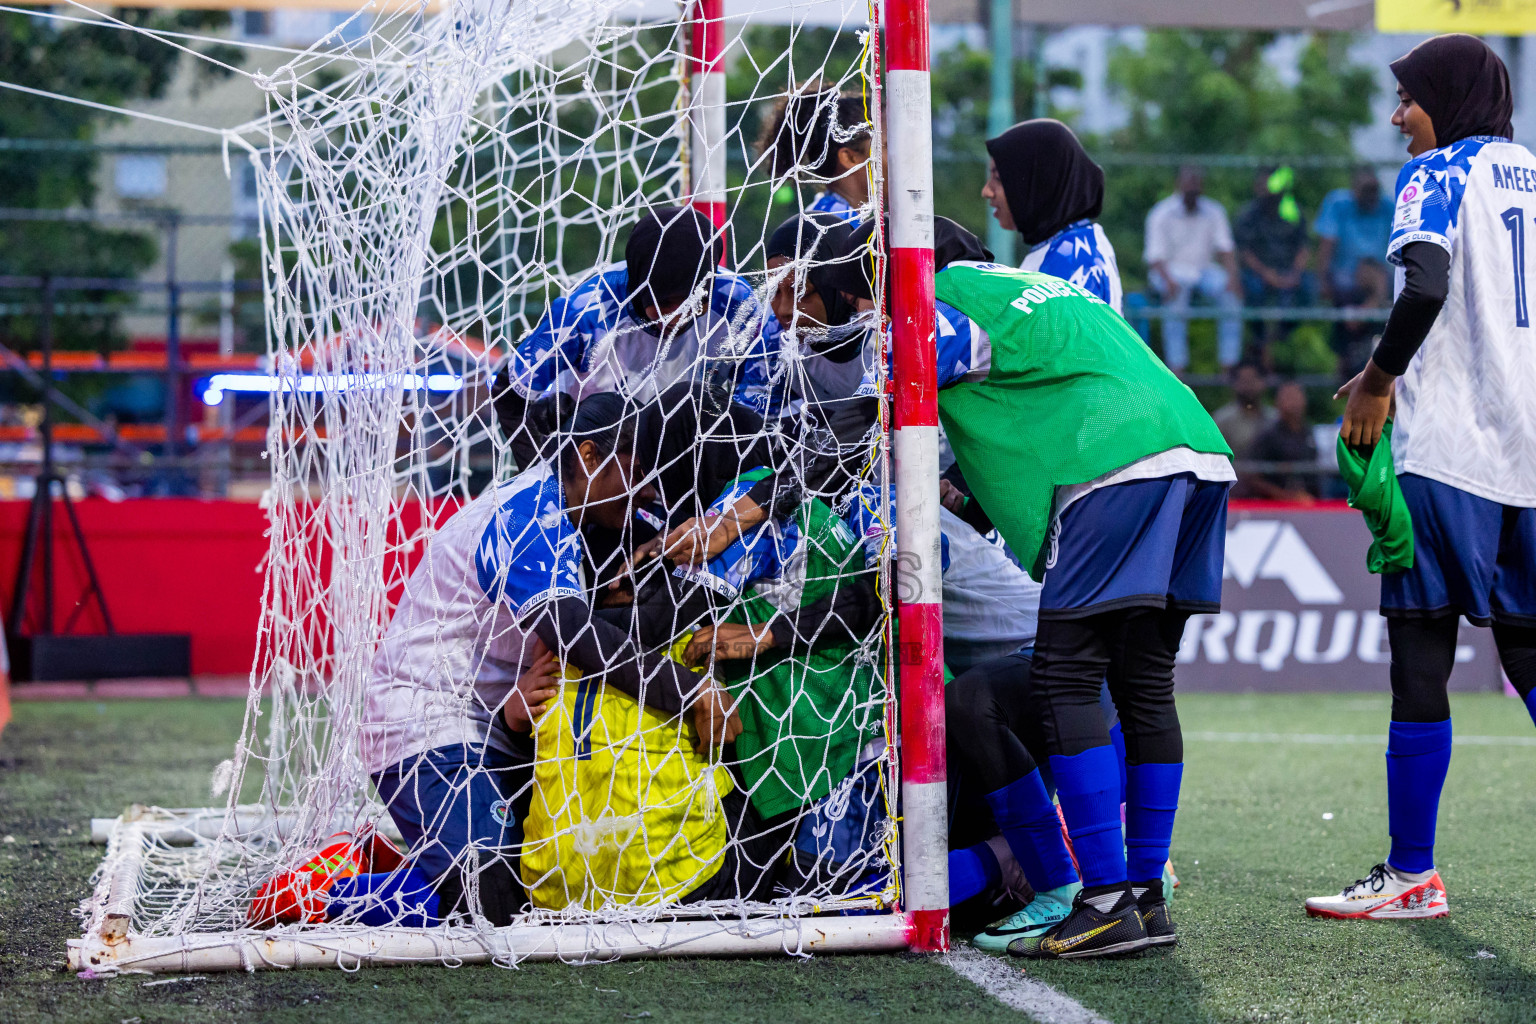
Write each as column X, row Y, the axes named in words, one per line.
column 1466, row 407
column 458, row 639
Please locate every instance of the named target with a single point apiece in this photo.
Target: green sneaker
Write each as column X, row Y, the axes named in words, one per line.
column 1039, row 916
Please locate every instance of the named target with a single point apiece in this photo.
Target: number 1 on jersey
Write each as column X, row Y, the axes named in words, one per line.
column 1514, row 221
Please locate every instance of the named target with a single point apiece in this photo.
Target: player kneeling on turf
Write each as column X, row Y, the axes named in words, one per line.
column 789, row 649
column 1456, row 352
column 502, row 575
column 629, row 803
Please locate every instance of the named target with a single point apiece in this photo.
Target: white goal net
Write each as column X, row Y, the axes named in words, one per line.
column 704, row 761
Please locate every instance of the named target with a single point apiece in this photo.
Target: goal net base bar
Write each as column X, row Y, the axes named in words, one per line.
column 110, row 944
column 350, row 949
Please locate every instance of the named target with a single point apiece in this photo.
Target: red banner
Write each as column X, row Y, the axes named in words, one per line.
column 167, row 565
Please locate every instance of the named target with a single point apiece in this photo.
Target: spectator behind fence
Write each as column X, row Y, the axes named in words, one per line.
column 1243, row 419
column 1289, row 439
column 1189, row 249
column 1272, row 246
column 1352, row 228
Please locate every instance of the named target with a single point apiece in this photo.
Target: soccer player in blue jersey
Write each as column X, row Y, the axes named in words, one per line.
column 503, row 576
column 1456, row 356
column 819, row 135
column 1042, row 184
column 667, row 313
column 826, row 345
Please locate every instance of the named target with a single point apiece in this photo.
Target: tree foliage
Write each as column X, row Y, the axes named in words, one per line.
column 104, row 65
column 961, row 104
column 1193, row 93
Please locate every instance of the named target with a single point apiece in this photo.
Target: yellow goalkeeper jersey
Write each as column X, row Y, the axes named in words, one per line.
column 624, row 811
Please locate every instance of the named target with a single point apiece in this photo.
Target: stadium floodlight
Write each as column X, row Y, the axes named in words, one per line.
column 467, row 168
column 214, row 387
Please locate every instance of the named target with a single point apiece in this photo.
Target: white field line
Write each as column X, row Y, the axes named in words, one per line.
column 1001, row 978
column 1331, row 738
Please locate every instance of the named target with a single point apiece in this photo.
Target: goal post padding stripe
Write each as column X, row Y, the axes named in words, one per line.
column 916, row 446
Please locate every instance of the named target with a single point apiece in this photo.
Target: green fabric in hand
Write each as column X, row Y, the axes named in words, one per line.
column 1374, row 491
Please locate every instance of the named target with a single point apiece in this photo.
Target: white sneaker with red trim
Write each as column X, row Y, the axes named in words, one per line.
column 1386, row 895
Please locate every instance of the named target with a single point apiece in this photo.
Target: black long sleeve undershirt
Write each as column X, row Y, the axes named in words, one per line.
column 667, row 606
column 1426, row 283
column 663, row 607
column 596, row 646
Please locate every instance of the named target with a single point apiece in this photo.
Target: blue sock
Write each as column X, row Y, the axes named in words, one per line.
column 1117, row 740
column 1152, row 797
column 972, row 871
column 1418, row 756
column 405, row 898
column 1026, row 817
column 1530, row 704
column 1089, row 787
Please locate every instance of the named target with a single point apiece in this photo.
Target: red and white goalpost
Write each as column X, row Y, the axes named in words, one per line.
column 706, row 110
column 909, row 134
column 491, row 121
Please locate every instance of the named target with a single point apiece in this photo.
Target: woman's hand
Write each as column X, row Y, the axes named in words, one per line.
column 951, row 497
column 703, row 537
column 1370, row 397
column 535, row 691
column 715, row 718
column 728, row 641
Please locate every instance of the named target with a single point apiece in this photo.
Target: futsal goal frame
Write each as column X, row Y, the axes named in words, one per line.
column 920, row 922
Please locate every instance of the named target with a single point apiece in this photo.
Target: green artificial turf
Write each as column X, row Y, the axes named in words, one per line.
column 1251, row 843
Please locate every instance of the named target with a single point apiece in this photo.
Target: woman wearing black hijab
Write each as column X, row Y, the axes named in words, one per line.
column 1463, row 438
column 816, row 317
column 1042, row 184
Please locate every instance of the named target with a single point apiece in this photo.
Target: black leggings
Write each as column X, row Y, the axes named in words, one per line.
column 1424, row 652
column 995, row 725
column 1135, row 648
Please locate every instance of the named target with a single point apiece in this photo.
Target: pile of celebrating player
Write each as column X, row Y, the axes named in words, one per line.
column 649, row 668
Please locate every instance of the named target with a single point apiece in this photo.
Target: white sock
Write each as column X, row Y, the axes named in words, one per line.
column 1411, row 877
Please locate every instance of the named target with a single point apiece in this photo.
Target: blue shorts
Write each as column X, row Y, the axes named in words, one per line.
column 1471, row 557
column 1147, row 543
column 451, row 799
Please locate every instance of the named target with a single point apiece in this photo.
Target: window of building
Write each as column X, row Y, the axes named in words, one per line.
column 139, row 176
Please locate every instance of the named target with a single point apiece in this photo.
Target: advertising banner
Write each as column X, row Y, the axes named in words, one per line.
column 1299, row 611
column 1483, row 17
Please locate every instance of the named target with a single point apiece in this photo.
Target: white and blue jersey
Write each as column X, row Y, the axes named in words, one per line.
column 987, row 597
column 772, row 551
column 456, row 644
column 1080, row 253
column 831, row 202
column 591, row 341
column 964, row 350
column 1466, row 415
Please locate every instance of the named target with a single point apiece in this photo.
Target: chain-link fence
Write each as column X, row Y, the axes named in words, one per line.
column 172, row 297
